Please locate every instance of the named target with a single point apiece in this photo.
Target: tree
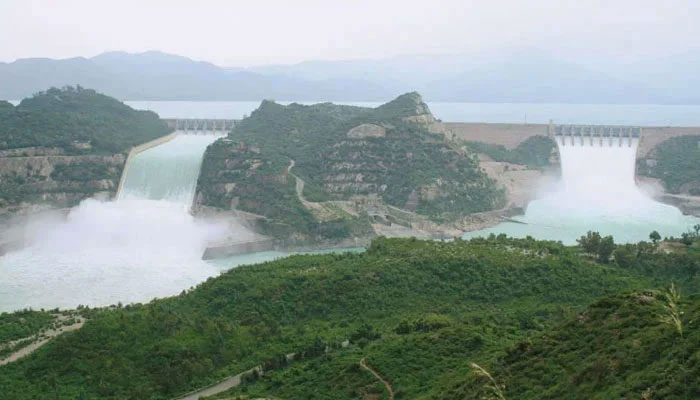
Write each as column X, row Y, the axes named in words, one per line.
column 590, row 242
column 605, row 249
column 625, row 255
column 654, row 236
column 687, row 239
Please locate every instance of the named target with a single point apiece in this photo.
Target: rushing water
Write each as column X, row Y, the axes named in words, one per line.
column 167, row 172
column 597, row 192
column 144, row 245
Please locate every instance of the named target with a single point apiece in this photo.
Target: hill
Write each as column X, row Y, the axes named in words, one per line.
column 675, row 163
column 616, row 348
column 158, row 76
column 417, row 311
column 329, row 172
column 503, row 75
column 63, row 145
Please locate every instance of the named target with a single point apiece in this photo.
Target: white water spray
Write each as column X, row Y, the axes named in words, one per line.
column 597, row 192
column 144, row 245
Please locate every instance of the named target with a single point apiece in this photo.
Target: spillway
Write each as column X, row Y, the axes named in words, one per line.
column 597, row 192
column 143, row 245
column 167, row 172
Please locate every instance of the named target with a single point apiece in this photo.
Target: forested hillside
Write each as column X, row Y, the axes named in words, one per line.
column 675, row 164
column 63, row 145
column 418, row 312
column 354, row 163
column 78, row 121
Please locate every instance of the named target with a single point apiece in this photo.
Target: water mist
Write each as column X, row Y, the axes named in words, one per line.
column 597, row 192
column 143, row 245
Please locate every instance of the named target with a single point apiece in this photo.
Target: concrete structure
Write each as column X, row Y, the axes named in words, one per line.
column 511, row 135
column 572, row 135
column 653, row 136
column 138, row 149
column 507, row 135
column 202, row 125
column 231, row 249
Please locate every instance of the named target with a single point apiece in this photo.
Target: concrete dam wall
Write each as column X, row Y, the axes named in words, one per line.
column 511, row 135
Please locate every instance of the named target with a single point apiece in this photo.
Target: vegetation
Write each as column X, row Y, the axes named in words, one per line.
column 495, row 389
column 406, row 161
column 418, row 311
column 85, row 170
column 535, row 151
column 614, row 349
column 90, row 132
column 78, row 121
column 22, row 324
column 672, row 314
column 675, row 164
column 602, row 247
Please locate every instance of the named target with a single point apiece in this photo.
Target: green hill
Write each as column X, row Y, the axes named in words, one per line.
column 63, row 145
column 417, row 311
column 355, row 163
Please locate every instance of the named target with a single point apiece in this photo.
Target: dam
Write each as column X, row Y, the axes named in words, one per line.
column 167, row 171
column 597, row 191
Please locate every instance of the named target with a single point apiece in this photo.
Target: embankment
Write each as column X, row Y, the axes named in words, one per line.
column 507, row 135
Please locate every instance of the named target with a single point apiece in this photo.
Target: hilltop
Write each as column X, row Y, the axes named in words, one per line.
column 334, row 172
column 64, row 145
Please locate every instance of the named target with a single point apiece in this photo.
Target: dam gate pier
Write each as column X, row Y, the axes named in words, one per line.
column 189, row 125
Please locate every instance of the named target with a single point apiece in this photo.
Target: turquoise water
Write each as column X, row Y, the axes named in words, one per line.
column 145, row 245
column 541, row 221
column 597, row 192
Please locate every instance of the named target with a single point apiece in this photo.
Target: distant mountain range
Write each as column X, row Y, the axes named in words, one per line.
column 517, row 76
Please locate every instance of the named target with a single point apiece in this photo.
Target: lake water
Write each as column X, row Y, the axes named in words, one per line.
column 516, row 113
column 604, row 114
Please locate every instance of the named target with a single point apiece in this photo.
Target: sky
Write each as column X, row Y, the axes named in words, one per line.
column 258, row 32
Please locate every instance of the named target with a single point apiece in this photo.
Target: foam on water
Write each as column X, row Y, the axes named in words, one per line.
column 597, row 192
column 144, row 245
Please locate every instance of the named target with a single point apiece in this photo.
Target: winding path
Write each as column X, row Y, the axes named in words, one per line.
column 222, row 386
column 41, row 339
column 299, row 184
column 386, row 383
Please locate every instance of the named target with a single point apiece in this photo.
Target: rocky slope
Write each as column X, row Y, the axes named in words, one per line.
column 64, row 145
column 362, row 168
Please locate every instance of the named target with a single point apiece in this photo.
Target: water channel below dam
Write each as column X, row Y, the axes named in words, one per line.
column 143, row 245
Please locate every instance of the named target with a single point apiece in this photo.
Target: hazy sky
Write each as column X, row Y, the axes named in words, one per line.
column 242, row 33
